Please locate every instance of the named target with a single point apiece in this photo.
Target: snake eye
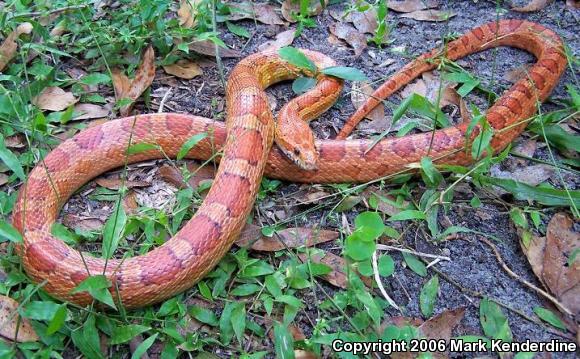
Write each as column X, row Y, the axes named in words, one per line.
column 296, row 151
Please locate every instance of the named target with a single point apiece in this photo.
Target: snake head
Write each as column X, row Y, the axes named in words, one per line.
column 296, row 140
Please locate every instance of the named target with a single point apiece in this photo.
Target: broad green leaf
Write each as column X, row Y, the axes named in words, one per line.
column 239, row 320
column 95, row 79
column 238, row 30
column 283, row 342
column 415, row 264
column 431, row 175
column 10, row 160
column 345, row 73
column 559, row 138
column 140, row 147
column 9, row 233
column 296, row 58
column 142, row 348
column 519, row 218
column 61, row 232
column 575, row 254
column 86, row 339
column 204, row 315
column 124, row 333
column 386, row 265
column 40, row 310
column 428, row 296
column 225, row 324
column 549, row 317
column 98, row 287
column 369, row 225
column 494, row 323
column 113, row 231
column 543, row 195
column 481, row 142
column 245, row 289
column 57, row 320
column 359, row 249
column 407, row 215
column 189, row 144
column 303, row 84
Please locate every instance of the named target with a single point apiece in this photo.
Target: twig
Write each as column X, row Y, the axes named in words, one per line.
column 386, row 248
column 523, row 281
column 163, row 100
column 380, row 283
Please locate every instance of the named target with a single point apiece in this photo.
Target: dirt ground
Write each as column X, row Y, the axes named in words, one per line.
column 473, row 266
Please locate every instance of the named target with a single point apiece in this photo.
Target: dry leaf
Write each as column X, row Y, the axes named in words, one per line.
column 15, row 141
column 9, row 46
column 518, row 73
column 573, row 4
column 349, row 34
column 284, row 38
column 291, row 8
column 207, row 47
column 429, row 15
column 361, row 92
column 187, row 13
column 11, row 326
column 129, row 203
column 116, row 183
column 143, row 79
column 264, row 13
column 383, row 201
column 286, row 238
column 532, row 175
column 533, row 5
column 173, row 175
column 548, row 257
column 411, row 5
column 84, row 224
column 85, row 111
column 304, row 354
column 184, row 69
column 441, row 326
column 54, row 99
column 121, row 83
column 365, row 22
column 337, row 276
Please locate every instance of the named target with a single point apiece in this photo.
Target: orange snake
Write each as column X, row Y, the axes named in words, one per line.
column 193, row 251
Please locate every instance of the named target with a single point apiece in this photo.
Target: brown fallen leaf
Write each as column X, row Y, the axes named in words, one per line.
column 548, row 257
column 284, row 38
column 184, row 69
column 85, row 111
column 129, row 203
column 304, row 354
column 296, row 332
column 518, row 73
column 143, row 79
column 364, row 21
column 15, row 141
column 115, row 183
column 532, row 175
column 11, row 326
column 286, row 238
column 201, row 174
column 187, row 13
column 84, row 224
column 121, row 83
column 349, row 34
column 207, row 47
column 9, row 46
column 337, row 276
column 291, row 8
column 360, row 93
column 533, row 5
column 382, row 201
column 411, row 5
column 262, row 12
column 429, row 15
column 441, row 326
column 54, row 99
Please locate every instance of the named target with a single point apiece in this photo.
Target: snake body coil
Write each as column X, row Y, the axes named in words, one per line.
column 199, row 245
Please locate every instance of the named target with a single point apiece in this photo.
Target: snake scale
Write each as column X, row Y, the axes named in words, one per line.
column 246, row 141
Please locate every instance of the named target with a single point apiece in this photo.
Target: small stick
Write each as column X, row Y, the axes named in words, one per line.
column 163, row 100
column 386, row 248
column 380, row 283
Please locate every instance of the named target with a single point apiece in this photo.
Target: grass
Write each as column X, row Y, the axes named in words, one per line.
column 252, row 304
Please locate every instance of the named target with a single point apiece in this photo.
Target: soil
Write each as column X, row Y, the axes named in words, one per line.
column 473, row 266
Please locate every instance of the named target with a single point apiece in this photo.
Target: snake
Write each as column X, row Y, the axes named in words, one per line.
column 245, row 145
